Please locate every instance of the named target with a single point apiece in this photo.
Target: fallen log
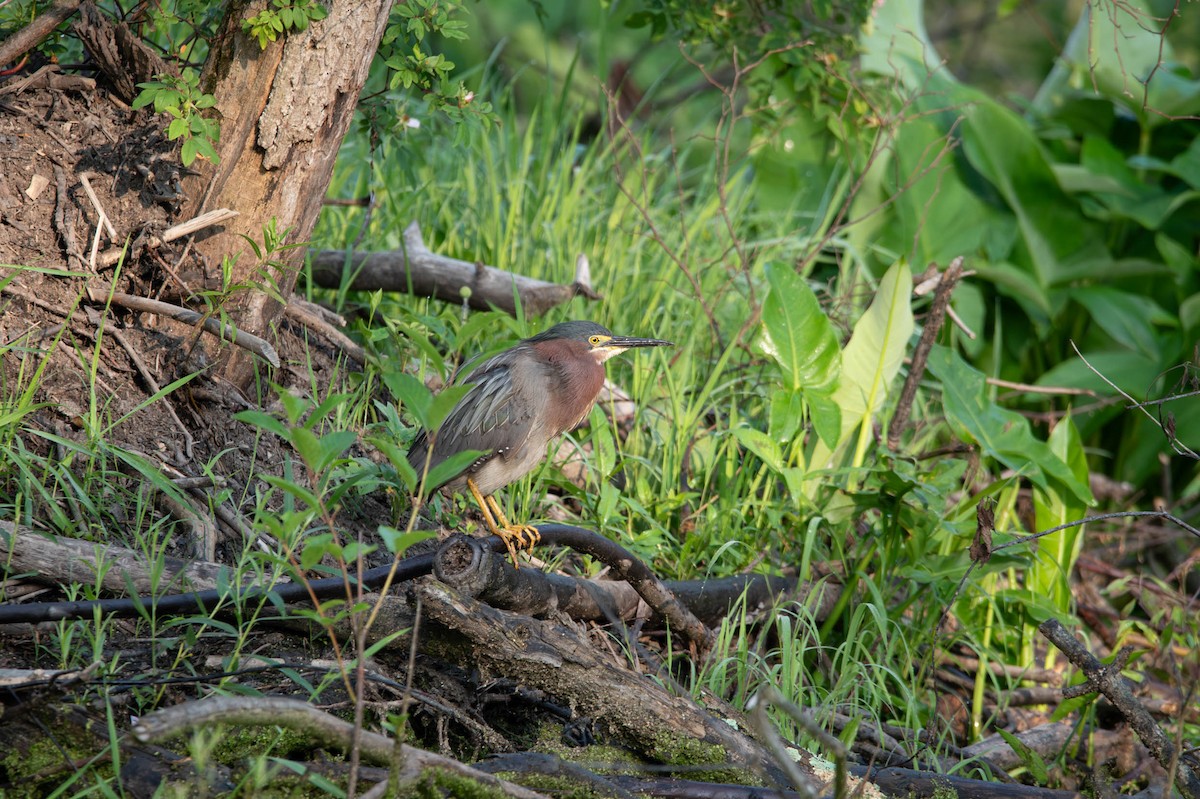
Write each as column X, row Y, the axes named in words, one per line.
column 417, row 270
column 563, row 662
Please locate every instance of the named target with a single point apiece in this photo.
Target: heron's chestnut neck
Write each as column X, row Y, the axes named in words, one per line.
column 580, row 376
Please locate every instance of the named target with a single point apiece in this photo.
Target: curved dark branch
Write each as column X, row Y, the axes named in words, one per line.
column 473, row 568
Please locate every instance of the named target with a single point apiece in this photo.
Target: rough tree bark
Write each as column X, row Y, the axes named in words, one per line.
column 284, row 112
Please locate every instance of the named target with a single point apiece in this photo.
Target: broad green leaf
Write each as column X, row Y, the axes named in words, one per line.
column 895, row 42
column 263, row 421
column 1128, row 318
column 935, row 210
column 1003, row 148
column 414, row 395
column 1050, row 575
column 332, row 445
column 1114, row 51
column 761, row 445
column 450, row 468
column 1000, row 433
column 793, row 173
column 1014, row 282
column 1132, row 371
column 826, row 418
column 307, row 498
column 785, row 416
column 324, row 409
column 398, row 541
column 307, row 446
column 1189, row 314
column 873, row 356
column 797, row 334
column 399, row 461
column 316, row 547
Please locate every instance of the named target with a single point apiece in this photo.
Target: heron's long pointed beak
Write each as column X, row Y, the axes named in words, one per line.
column 629, row 342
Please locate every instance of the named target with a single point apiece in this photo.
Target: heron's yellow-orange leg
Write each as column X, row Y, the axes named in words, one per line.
column 515, row 537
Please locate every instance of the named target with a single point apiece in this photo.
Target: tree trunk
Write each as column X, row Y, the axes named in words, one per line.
column 284, row 112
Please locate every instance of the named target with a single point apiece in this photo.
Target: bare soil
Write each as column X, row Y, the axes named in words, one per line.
column 51, row 138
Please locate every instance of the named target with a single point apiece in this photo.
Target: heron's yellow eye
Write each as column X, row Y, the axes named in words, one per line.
column 595, row 341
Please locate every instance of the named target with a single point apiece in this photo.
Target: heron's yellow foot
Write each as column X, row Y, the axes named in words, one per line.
column 515, row 536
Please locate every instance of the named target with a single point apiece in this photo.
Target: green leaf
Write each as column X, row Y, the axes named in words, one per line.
column 1112, row 51
column 332, row 445
column 399, row 461
column 316, row 547
column 414, row 395
column 263, row 421
column 191, row 148
column 873, row 357
column 307, row 498
column 398, row 541
column 1031, row 759
column 1002, row 434
column 761, row 445
column 1003, row 148
column 451, row 467
column 1127, row 317
column 826, row 418
column 1050, row 575
column 785, row 416
column 604, row 446
column 325, row 408
column 797, row 334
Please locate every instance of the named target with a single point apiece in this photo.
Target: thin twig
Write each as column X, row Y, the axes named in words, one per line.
column 315, row 323
column 1107, row 680
column 63, row 221
column 84, row 178
column 223, row 331
column 1178, row 446
column 214, row 217
column 929, row 334
column 1025, row 539
column 1032, row 389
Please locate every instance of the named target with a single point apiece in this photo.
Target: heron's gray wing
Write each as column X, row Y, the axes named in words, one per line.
column 495, row 417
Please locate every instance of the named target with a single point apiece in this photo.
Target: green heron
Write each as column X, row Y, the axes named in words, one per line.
column 520, row 401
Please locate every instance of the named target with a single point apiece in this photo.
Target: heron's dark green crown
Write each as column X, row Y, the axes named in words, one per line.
column 576, row 331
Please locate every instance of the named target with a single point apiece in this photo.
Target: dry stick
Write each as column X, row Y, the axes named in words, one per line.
column 637, row 574
column 418, row 269
column 1178, row 446
column 84, row 178
column 1032, row 389
column 204, row 529
column 36, row 31
column 217, row 666
column 327, row 730
column 62, row 218
column 214, row 217
column 314, row 322
column 225, row 332
column 1108, row 681
column 933, row 326
column 803, row 783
